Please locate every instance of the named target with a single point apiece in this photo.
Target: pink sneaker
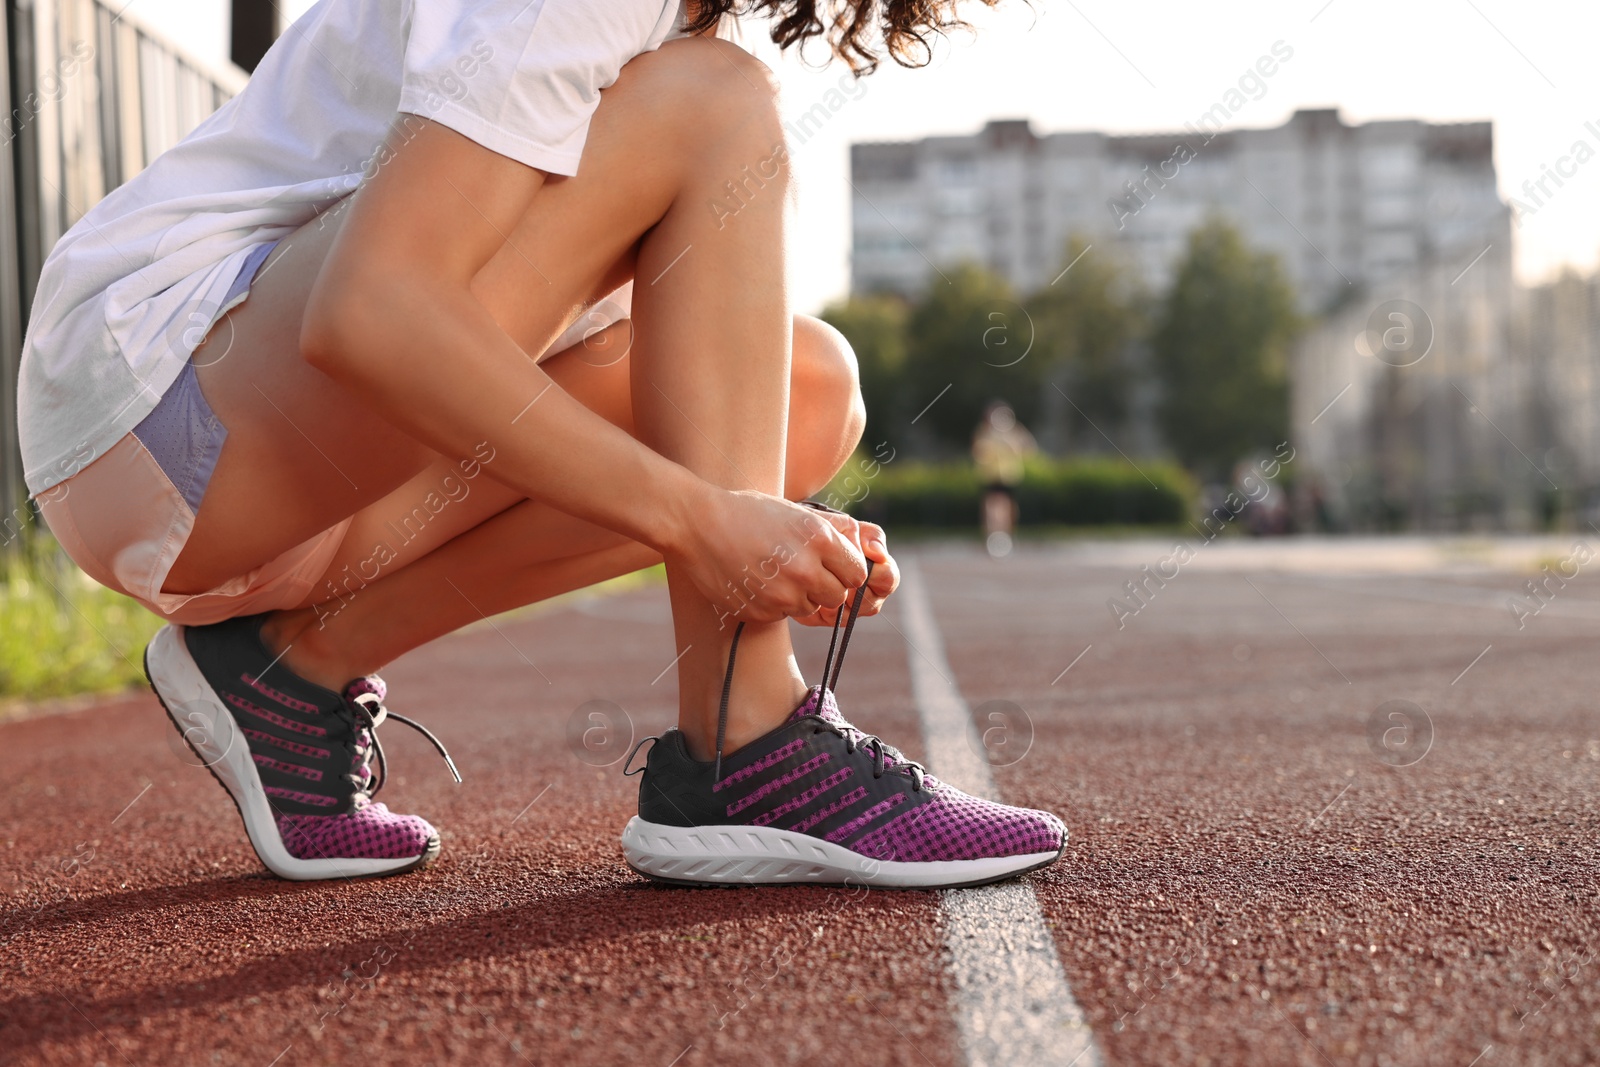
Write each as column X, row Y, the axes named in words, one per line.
column 818, row 800
column 295, row 757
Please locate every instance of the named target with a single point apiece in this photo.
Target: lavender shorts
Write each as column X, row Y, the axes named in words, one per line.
column 126, row 516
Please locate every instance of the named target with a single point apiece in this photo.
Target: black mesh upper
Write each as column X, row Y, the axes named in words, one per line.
column 676, row 789
column 301, row 736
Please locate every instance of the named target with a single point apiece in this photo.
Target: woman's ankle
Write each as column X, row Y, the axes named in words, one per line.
column 753, row 711
column 303, row 647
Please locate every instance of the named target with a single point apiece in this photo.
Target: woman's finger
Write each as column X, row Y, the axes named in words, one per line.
column 823, row 617
column 885, row 576
column 844, row 525
column 822, row 589
column 842, row 560
column 874, row 543
column 883, row 582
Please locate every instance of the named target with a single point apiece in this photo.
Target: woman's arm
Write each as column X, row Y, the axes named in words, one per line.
column 393, row 314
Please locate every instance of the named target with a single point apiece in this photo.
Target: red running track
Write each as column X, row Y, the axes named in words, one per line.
column 1256, row 875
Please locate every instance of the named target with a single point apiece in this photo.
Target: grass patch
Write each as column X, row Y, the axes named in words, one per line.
column 61, row 634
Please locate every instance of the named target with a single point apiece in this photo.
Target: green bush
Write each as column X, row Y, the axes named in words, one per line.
column 60, row 633
column 1054, row 492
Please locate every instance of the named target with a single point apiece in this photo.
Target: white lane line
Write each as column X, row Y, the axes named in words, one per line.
column 1012, row 1002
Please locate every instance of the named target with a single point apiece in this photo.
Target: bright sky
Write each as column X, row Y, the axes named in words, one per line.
column 1155, row 64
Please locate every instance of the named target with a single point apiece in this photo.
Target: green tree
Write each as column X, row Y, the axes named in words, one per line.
column 1086, row 321
column 1220, row 345
column 875, row 326
column 969, row 342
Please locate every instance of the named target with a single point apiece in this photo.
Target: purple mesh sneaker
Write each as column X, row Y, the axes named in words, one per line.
column 295, row 757
column 819, row 801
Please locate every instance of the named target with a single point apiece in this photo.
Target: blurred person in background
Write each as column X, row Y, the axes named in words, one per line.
column 999, row 447
column 1267, row 513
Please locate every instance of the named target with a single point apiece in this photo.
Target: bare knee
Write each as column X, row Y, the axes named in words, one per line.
column 826, row 414
column 715, row 98
column 718, row 71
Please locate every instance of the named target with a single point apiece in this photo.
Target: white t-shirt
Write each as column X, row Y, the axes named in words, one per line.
column 130, row 290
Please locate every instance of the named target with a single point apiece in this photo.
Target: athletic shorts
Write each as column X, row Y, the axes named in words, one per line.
column 126, row 516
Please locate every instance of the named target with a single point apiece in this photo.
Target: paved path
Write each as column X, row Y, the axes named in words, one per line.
column 1319, row 816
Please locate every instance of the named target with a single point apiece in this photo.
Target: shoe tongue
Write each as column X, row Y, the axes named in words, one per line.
column 820, row 704
column 370, row 684
column 360, row 764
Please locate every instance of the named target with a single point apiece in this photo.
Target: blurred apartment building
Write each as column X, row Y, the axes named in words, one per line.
column 1486, row 418
column 1431, row 391
column 1344, row 207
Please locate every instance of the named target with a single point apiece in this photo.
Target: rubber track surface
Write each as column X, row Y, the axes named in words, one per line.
column 150, row 933
column 1256, row 875
column 1252, row 877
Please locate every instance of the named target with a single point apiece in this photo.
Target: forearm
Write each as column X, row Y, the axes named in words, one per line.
column 435, row 361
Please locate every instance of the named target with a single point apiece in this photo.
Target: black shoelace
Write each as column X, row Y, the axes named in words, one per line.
column 885, row 756
column 368, row 708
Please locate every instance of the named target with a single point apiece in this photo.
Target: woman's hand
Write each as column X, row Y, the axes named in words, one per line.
column 884, row 581
column 759, row 558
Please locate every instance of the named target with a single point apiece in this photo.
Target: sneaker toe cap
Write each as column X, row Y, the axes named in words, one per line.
column 957, row 826
column 373, row 832
column 1052, row 830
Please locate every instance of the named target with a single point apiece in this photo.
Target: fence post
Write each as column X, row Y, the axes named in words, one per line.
column 11, row 282
column 254, row 27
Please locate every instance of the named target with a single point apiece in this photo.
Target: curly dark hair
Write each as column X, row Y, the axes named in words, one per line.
column 857, row 31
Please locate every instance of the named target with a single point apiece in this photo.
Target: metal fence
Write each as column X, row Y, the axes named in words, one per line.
column 91, row 96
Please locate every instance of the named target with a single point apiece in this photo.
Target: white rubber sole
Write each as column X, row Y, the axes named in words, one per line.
column 765, row 855
column 208, row 728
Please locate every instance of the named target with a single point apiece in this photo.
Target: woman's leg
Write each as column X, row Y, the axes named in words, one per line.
column 481, row 560
column 710, row 373
column 711, row 353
